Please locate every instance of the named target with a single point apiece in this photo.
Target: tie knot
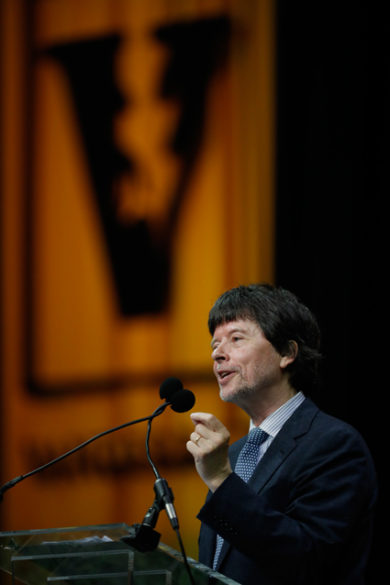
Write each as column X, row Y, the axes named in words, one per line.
column 257, row 436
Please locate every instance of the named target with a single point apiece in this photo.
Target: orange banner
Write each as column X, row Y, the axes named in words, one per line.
column 137, row 181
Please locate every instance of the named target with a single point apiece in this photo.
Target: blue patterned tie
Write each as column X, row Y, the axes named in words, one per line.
column 245, row 466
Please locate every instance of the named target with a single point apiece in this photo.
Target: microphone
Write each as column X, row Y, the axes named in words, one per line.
column 169, row 387
column 176, row 397
column 180, row 400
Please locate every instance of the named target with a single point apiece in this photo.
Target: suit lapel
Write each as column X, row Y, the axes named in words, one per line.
column 283, row 444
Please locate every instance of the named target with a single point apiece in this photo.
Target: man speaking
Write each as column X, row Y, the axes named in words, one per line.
column 293, row 501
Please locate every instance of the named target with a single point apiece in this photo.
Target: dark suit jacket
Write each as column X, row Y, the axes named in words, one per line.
column 305, row 517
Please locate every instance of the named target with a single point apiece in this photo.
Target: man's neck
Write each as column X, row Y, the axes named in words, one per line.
column 267, row 404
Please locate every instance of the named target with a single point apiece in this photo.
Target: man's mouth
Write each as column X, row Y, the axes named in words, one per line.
column 225, row 375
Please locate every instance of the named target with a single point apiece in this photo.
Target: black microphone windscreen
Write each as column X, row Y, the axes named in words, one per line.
column 182, row 401
column 169, row 387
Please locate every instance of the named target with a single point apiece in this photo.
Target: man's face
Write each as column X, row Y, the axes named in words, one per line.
column 246, row 364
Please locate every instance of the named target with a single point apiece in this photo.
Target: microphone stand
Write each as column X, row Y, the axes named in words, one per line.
column 143, row 537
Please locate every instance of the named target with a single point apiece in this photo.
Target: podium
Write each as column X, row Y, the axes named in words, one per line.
column 95, row 555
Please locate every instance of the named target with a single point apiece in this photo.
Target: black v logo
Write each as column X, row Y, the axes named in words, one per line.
column 140, row 261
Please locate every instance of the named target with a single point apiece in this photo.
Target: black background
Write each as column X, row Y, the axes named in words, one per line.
column 332, row 169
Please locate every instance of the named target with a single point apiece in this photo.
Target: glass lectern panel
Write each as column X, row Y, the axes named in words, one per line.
column 95, row 555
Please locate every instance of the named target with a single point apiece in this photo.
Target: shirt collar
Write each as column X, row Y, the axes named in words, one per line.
column 274, row 422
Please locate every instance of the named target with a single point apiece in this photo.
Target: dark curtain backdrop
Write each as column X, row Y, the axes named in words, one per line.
column 332, row 191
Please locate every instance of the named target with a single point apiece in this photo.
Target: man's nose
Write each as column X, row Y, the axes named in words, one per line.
column 219, row 353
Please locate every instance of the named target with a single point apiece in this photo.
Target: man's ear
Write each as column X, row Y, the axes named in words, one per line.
column 289, row 356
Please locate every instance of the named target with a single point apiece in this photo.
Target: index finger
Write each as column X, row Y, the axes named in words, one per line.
column 208, row 420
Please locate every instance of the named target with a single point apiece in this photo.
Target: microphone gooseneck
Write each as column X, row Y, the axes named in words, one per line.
column 171, row 387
